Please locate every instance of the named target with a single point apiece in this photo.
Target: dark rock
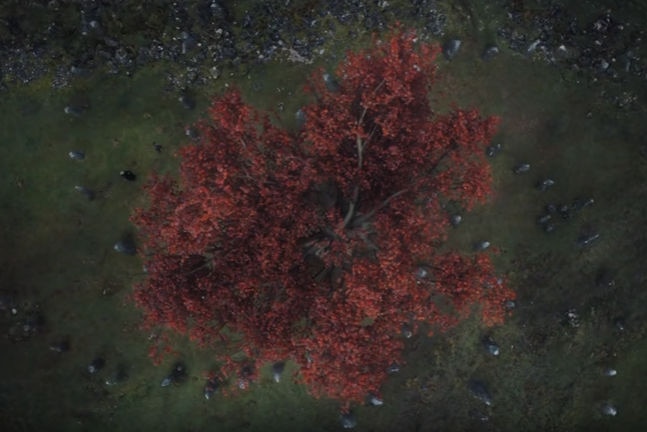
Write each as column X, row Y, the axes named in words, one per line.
column 605, row 278
column 587, row 239
column 119, row 376
column 192, row 133
column 479, row 390
column 481, row 246
column 582, row 203
column 96, row 365
column 277, row 371
column 76, row 155
column 177, row 375
column 187, row 101
column 88, row 193
column 564, row 211
column 544, row 185
column 521, row 168
column 544, row 219
column 490, row 346
column 393, row 368
column 61, row 346
column 549, row 227
column 126, row 247
column 490, row 52
column 551, row 208
column 331, row 82
column 493, row 150
column 210, row 387
column 300, row 117
column 348, row 420
column 451, row 47
column 128, row 175
column 74, row 110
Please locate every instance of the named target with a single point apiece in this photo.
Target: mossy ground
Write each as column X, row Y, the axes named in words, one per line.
column 57, row 256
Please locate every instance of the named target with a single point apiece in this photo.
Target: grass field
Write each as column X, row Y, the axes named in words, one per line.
column 57, row 261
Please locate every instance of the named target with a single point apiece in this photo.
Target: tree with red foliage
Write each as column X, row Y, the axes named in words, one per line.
column 321, row 248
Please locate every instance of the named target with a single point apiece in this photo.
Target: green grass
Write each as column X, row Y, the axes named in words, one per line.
column 57, row 255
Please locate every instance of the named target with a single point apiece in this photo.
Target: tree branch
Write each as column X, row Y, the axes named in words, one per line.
column 360, row 143
column 351, row 207
column 384, row 203
column 447, row 151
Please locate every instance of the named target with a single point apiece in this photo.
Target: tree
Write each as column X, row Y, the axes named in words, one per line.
column 323, row 247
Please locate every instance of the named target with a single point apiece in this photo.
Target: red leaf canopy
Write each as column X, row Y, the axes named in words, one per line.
column 321, row 247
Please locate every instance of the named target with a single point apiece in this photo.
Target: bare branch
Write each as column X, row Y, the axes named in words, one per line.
column 381, row 206
column 360, row 143
column 379, row 85
column 351, row 207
